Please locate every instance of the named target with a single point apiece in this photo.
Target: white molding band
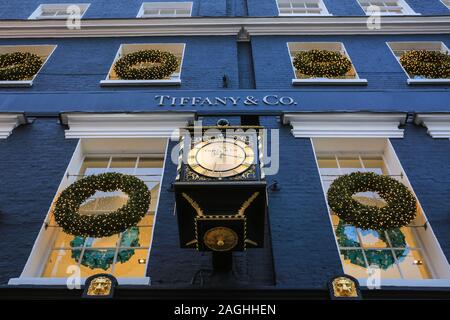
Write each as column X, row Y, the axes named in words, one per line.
column 345, row 124
column 215, row 26
column 125, row 125
column 9, row 121
column 437, row 124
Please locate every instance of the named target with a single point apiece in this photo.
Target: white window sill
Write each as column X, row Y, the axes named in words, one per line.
column 15, row 84
column 113, row 83
column 305, row 15
column 429, row 81
column 435, row 283
column 63, row 281
column 323, row 81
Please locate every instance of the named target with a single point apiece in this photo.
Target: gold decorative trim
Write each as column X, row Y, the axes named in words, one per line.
column 247, row 204
column 193, row 204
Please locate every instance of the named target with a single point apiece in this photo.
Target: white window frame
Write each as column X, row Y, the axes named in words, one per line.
column 42, row 50
column 175, row 78
column 31, row 275
column 37, row 14
column 187, row 5
column 441, row 268
column 324, row 11
column 331, row 46
column 418, row 45
column 405, row 7
column 446, row 3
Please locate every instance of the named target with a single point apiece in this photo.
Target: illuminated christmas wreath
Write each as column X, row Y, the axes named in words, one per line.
column 19, row 65
column 102, row 225
column 428, row 64
column 382, row 258
column 322, row 63
column 399, row 211
column 104, row 258
column 162, row 65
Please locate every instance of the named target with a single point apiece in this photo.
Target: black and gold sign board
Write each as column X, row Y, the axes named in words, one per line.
column 220, row 192
column 221, row 217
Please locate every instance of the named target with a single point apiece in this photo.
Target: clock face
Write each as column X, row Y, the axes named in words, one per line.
column 221, row 158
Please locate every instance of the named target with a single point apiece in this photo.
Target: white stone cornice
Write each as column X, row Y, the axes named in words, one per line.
column 125, row 125
column 345, row 124
column 212, row 26
column 9, row 121
column 437, row 124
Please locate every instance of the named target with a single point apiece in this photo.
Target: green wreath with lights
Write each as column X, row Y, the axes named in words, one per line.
column 19, row 65
column 428, row 64
column 162, row 65
column 382, row 258
column 103, row 259
column 322, row 63
column 67, row 206
column 400, row 207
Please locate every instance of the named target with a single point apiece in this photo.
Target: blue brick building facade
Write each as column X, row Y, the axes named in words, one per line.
column 239, row 49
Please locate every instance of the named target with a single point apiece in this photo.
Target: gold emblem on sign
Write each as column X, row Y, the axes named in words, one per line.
column 220, row 239
column 100, row 286
column 344, row 288
column 221, row 158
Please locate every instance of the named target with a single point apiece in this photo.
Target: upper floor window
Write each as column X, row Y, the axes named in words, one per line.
column 317, row 63
column 301, row 7
column 19, row 65
column 165, row 9
column 146, row 64
column 59, row 11
column 407, row 253
column 57, row 254
column 425, row 62
column 388, row 7
column 446, row 2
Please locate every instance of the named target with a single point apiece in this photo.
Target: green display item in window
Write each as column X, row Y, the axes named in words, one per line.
column 104, row 258
column 382, row 258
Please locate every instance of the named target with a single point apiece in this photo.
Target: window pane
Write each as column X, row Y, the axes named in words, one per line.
column 375, row 164
column 385, row 261
column 59, row 261
column 354, row 263
column 63, row 240
column 147, row 221
column 373, row 239
column 123, row 165
column 96, row 261
column 412, row 264
column 347, row 236
column 94, row 166
column 131, row 263
column 349, row 164
column 106, row 242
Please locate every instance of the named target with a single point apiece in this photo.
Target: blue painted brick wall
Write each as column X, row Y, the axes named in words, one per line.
column 304, row 249
column 370, row 55
column 129, row 9
column 32, row 163
column 80, row 64
column 426, row 162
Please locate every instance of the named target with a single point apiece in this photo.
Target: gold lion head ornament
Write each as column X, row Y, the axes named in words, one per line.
column 344, row 287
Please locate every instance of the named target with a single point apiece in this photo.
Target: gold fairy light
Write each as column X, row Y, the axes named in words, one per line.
column 133, row 65
column 400, row 209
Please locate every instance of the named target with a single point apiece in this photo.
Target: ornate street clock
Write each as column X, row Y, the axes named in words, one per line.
column 220, row 189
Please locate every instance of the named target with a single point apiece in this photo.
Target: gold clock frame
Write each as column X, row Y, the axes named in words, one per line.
column 243, row 166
